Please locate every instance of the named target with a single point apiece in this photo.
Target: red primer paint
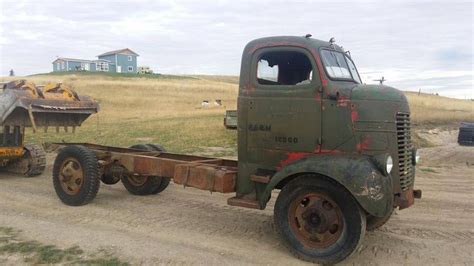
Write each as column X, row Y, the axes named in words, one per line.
column 273, row 44
column 330, row 151
column 248, row 88
column 342, row 101
column 292, row 157
column 317, row 149
column 354, row 115
column 363, row 145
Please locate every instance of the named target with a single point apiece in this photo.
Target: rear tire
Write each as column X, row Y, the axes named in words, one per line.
column 319, row 220
column 145, row 185
column 76, row 175
column 164, row 180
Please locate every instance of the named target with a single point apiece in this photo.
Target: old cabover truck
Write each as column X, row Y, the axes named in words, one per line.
column 338, row 151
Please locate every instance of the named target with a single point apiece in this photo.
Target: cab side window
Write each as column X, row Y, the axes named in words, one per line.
column 284, row 68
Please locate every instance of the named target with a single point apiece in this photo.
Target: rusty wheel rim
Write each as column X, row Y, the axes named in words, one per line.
column 137, row 180
column 71, row 176
column 316, row 220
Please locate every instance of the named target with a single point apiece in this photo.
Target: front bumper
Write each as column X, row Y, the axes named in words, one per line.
column 407, row 198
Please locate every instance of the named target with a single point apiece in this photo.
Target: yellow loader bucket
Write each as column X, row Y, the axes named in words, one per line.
column 26, row 105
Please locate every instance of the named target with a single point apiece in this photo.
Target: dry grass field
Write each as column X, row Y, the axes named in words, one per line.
column 167, row 110
column 435, row 110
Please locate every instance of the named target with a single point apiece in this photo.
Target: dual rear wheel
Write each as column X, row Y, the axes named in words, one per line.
column 145, row 185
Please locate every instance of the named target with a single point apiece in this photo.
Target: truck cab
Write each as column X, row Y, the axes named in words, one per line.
column 305, row 117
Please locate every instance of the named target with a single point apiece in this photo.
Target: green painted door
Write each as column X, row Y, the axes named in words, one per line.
column 284, row 110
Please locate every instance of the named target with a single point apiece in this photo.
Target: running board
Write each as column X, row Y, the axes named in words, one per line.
column 260, row 179
column 246, row 203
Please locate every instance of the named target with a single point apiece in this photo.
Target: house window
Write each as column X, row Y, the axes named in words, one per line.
column 62, row 65
column 58, row 66
column 102, row 66
column 130, row 69
column 130, row 58
column 284, row 68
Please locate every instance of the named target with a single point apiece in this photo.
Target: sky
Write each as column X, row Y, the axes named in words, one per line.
column 414, row 45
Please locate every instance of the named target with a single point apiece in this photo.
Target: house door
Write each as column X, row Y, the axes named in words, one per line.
column 119, row 69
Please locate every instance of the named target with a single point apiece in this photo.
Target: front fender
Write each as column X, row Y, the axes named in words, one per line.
column 356, row 173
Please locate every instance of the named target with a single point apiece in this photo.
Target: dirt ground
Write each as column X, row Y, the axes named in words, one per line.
column 188, row 226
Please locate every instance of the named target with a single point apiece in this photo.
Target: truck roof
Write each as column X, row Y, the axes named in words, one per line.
column 298, row 41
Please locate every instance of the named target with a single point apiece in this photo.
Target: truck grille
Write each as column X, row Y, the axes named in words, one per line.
column 405, row 147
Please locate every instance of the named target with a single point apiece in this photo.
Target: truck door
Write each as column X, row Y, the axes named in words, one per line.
column 284, row 110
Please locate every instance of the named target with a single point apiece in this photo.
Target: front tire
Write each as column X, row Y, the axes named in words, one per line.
column 76, row 175
column 374, row 222
column 319, row 220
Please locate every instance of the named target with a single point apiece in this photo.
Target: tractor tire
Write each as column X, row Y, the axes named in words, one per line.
column 374, row 222
column 37, row 160
column 76, row 177
column 145, row 185
column 319, row 220
column 32, row 163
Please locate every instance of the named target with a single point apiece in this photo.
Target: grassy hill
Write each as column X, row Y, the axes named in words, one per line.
column 88, row 74
column 428, row 109
column 167, row 109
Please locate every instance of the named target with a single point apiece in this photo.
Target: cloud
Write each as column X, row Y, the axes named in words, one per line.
column 412, row 45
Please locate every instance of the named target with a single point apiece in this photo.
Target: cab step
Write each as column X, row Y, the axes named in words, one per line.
column 242, row 202
column 264, row 179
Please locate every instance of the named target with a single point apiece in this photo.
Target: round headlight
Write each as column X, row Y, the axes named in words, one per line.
column 389, row 164
column 414, row 156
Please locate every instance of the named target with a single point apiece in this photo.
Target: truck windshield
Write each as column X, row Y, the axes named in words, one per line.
column 339, row 66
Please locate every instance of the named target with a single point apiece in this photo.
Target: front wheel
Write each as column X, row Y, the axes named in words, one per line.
column 319, row 220
column 374, row 222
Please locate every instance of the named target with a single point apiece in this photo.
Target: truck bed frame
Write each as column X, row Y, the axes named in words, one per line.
column 212, row 174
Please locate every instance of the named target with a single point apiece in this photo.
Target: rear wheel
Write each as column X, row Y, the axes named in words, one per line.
column 319, row 220
column 76, row 175
column 145, row 185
